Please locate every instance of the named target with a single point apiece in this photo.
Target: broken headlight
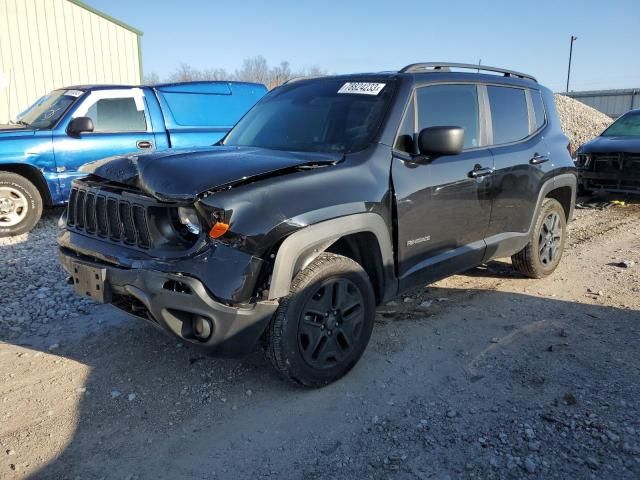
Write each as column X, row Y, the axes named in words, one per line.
column 189, row 218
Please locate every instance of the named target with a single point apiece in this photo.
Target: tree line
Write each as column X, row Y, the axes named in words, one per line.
column 254, row 69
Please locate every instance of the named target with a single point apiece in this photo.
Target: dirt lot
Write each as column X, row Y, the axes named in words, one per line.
column 483, row 375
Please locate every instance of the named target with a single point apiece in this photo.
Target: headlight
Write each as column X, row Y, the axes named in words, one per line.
column 189, row 218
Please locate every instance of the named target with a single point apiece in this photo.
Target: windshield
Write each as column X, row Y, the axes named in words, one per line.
column 626, row 126
column 47, row 110
column 325, row 115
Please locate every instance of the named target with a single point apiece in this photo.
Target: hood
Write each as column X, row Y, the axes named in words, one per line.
column 611, row 145
column 183, row 175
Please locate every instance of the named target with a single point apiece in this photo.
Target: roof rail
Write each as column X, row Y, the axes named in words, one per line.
column 446, row 67
column 302, row 77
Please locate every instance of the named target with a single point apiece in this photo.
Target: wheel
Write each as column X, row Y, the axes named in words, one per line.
column 542, row 254
column 323, row 326
column 20, row 204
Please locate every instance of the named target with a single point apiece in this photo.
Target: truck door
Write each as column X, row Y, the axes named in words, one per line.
column 444, row 206
column 121, row 126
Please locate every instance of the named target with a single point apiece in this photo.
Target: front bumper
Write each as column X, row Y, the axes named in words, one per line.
column 174, row 301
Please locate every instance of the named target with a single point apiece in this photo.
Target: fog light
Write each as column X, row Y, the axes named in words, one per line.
column 202, row 327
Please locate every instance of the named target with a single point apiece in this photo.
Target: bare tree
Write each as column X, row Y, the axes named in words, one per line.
column 151, row 78
column 254, row 69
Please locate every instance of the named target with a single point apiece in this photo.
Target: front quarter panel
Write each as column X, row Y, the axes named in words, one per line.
column 264, row 212
column 33, row 148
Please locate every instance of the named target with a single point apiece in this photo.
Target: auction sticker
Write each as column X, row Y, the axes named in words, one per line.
column 362, row 88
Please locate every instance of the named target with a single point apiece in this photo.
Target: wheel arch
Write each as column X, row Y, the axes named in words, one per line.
column 32, row 174
column 363, row 237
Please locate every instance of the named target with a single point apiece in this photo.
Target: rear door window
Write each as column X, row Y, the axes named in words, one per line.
column 509, row 114
column 450, row 105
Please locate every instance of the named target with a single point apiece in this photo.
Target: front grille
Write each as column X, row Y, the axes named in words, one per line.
column 620, row 171
column 109, row 214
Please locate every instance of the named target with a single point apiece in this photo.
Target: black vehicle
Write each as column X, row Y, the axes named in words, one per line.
column 331, row 196
column 611, row 162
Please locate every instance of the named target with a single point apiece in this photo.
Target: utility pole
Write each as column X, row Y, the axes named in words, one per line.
column 573, row 39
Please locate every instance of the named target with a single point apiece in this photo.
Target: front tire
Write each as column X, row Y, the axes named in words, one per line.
column 323, row 326
column 542, row 254
column 20, row 204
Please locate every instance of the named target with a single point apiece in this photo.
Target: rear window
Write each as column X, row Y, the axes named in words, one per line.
column 221, row 109
column 509, row 114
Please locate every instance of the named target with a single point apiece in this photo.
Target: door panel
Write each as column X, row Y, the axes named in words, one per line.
column 443, row 215
column 520, row 169
column 443, row 205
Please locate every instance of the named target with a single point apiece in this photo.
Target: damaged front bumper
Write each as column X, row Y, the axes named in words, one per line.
column 611, row 172
column 172, row 295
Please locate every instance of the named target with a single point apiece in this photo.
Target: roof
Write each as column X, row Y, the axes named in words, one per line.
column 106, row 17
column 198, row 83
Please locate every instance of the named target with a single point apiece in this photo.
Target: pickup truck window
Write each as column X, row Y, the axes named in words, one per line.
column 333, row 115
column 115, row 111
column 450, row 105
column 48, row 109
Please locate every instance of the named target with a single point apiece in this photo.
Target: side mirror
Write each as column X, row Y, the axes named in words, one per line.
column 439, row 141
column 79, row 125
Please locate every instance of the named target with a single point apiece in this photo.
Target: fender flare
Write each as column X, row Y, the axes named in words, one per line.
column 563, row 180
column 302, row 247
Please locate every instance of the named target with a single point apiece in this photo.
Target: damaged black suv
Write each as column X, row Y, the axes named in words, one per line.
column 331, row 196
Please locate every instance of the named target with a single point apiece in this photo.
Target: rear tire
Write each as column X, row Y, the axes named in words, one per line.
column 323, row 326
column 542, row 254
column 20, row 204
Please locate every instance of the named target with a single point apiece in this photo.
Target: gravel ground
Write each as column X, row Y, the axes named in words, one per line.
column 580, row 122
column 38, row 294
column 482, row 375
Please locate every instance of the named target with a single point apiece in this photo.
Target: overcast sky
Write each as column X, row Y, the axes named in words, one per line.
column 354, row 36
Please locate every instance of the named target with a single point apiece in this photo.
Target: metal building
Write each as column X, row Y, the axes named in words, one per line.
column 610, row 102
column 48, row 44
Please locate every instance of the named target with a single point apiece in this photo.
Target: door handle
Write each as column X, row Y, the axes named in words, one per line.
column 144, row 144
column 479, row 171
column 538, row 159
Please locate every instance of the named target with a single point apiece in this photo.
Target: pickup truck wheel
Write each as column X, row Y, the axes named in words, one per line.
column 20, row 204
column 542, row 254
column 323, row 326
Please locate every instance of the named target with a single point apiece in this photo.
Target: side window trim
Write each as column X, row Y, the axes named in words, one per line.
column 531, row 114
column 486, row 127
column 532, row 92
column 97, row 95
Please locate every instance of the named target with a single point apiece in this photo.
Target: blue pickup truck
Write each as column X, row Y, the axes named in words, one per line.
column 43, row 150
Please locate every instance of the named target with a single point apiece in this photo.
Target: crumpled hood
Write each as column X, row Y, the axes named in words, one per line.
column 182, row 175
column 611, row 145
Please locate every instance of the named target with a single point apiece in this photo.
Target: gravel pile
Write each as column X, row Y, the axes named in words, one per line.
column 35, row 294
column 580, row 122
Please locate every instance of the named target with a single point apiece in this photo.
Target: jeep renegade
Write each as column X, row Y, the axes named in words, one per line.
column 331, row 196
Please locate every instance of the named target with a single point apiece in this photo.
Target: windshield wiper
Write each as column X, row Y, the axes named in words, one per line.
column 22, row 122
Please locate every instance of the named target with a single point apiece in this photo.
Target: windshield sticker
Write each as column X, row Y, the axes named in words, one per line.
column 362, row 88
column 73, row 93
